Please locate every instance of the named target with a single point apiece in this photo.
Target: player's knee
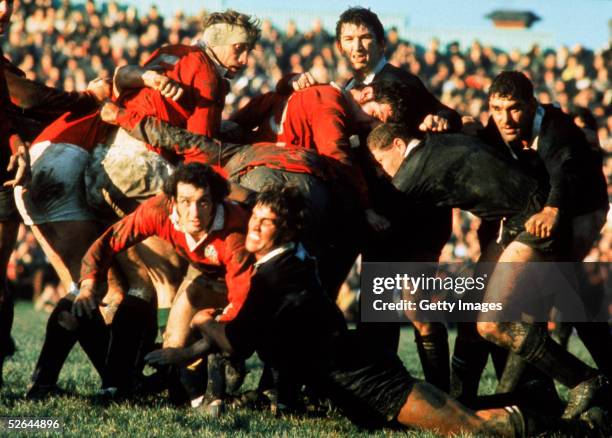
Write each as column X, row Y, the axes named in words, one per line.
column 198, row 319
column 489, row 330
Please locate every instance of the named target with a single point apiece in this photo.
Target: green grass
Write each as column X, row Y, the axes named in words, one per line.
column 81, row 415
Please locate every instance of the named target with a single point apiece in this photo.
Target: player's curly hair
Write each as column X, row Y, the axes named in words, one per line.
column 361, row 17
column 512, row 84
column 251, row 25
column 198, row 175
column 401, row 97
column 291, row 210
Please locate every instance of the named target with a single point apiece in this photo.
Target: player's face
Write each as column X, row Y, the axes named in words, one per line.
column 378, row 111
column 6, row 10
column 195, row 209
column 390, row 159
column 512, row 117
column 234, row 57
column 262, row 231
column 359, row 46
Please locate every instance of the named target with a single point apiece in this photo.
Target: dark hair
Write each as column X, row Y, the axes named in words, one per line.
column 290, row 208
column 250, row 24
column 361, row 16
column 381, row 137
column 199, row 175
column 512, row 84
column 401, row 98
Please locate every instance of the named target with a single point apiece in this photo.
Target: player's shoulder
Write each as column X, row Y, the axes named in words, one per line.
column 393, row 73
column 158, row 204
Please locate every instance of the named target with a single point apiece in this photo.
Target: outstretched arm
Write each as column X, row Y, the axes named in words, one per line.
column 179, row 356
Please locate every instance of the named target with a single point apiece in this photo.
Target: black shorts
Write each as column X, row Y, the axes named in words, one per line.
column 370, row 385
column 8, row 210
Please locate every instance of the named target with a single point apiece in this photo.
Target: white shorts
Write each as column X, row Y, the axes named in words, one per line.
column 122, row 175
column 56, row 192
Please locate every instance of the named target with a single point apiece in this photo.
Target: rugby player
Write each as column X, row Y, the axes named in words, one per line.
column 290, row 321
column 488, row 184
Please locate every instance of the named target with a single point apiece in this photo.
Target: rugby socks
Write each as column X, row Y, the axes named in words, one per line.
column 434, row 355
column 215, row 388
column 132, row 335
column 60, row 337
column 597, row 339
column 548, row 356
column 162, row 319
column 515, row 365
column 7, row 345
column 468, row 363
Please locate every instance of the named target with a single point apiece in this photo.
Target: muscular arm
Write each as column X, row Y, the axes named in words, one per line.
column 37, row 98
column 179, row 141
column 144, row 222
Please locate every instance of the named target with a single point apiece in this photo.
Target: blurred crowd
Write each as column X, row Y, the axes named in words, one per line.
column 66, row 45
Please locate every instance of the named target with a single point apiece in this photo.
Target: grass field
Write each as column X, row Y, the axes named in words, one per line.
column 82, row 415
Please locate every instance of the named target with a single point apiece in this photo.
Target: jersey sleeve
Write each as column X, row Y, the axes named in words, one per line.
column 147, row 220
column 238, row 268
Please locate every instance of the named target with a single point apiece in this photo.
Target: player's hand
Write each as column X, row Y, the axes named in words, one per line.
column 542, row 224
column 433, row 123
column 303, row 81
column 471, row 126
column 166, row 86
column 377, row 222
column 86, row 302
column 100, row 88
column 110, row 112
column 167, row 356
column 20, row 161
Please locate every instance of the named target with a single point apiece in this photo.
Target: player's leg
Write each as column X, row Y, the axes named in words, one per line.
column 8, row 236
column 432, row 345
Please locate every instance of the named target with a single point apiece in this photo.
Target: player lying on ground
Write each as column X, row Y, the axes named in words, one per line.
column 476, row 177
column 290, row 322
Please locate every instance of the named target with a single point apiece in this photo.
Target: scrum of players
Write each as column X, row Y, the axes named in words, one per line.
column 230, row 237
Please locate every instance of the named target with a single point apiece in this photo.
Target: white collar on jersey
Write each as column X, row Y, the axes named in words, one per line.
column 411, row 145
column 369, row 77
column 299, row 253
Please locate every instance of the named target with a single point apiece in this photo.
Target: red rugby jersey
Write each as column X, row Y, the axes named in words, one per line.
column 221, row 253
column 316, row 118
column 198, row 110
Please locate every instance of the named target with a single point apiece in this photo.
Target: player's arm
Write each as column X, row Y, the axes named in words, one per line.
column 133, row 76
column 35, row 97
column 180, row 356
column 9, row 138
column 144, row 222
column 166, row 136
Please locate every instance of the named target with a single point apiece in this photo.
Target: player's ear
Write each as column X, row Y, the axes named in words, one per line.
column 339, row 47
column 367, row 94
column 399, row 145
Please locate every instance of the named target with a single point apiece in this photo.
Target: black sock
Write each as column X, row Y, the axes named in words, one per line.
column 515, row 366
column 60, row 337
column 132, row 335
column 548, row 356
column 468, row 362
column 93, row 335
column 433, row 352
column 215, row 388
column 6, row 323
